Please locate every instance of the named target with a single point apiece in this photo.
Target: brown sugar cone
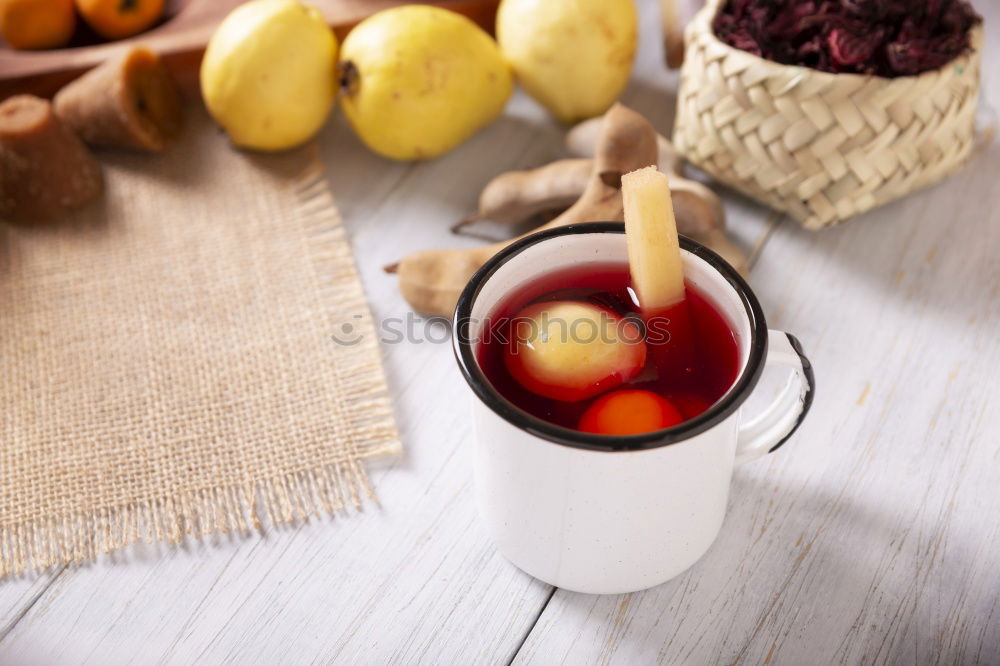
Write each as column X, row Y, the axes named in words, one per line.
column 128, row 102
column 45, row 169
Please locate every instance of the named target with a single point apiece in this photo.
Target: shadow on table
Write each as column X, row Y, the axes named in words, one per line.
column 822, row 579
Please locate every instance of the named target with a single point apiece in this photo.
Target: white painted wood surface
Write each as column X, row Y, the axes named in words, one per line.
column 873, row 536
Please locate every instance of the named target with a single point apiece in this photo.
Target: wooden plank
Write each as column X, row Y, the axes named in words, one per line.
column 19, row 595
column 414, row 580
column 872, row 536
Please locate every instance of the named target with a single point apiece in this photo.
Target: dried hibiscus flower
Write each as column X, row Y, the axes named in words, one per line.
column 882, row 37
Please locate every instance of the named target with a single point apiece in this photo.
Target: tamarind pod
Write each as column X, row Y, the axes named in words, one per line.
column 431, row 280
column 581, row 141
column 129, row 101
column 516, row 196
column 45, row 169
column 627, row 142
column 697, row 208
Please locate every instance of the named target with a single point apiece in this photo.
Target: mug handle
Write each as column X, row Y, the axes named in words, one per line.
column 770, row 429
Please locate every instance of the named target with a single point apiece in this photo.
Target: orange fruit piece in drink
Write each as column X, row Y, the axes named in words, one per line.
column 629, row 412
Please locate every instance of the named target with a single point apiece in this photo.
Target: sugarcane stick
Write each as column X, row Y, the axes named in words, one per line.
column 656, row 267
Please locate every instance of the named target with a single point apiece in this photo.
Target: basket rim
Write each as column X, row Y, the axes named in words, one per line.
column 705, row 17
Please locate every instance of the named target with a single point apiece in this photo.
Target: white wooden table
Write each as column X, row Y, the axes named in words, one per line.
column 873, row 536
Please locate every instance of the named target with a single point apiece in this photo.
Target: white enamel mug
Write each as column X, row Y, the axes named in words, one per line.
column 604, row 514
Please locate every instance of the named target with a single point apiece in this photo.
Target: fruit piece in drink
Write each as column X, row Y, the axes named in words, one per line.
column 629, row 412
column 571, row 351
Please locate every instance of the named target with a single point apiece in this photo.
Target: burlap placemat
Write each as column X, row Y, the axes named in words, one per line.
column 166, row 359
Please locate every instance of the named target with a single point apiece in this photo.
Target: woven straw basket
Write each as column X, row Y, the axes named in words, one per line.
column 820, row 147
